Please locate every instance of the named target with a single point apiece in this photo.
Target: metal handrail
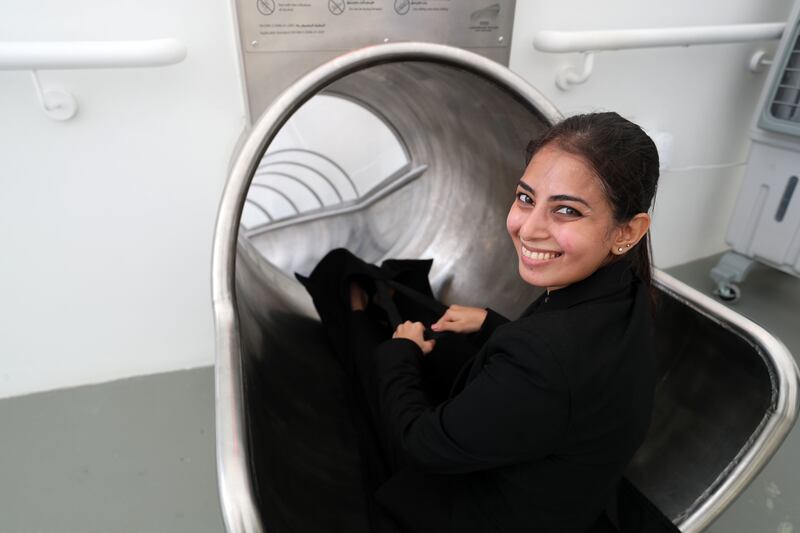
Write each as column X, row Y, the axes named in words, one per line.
column 58, row 103
column 593, row 41
column 589, row 42
column 41, row 55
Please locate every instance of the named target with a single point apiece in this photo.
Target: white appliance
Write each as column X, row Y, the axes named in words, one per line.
column 765, row 226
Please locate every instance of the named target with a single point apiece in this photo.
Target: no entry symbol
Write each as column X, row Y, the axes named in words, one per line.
column 336, row 6
column 266, row 7
column 402, row 6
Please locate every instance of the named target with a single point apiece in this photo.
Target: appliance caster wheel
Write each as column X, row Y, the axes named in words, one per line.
column 728, row 292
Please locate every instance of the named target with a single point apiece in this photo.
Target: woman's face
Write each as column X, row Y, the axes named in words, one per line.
column 561, row 222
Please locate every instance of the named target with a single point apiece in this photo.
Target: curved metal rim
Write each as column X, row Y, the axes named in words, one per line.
column 776, row 425
column 235, row 485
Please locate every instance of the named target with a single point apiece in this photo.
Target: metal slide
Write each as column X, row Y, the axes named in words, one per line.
column 286, row 450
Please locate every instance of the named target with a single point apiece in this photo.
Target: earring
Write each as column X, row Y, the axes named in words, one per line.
column 628, row 245
column 619, row 249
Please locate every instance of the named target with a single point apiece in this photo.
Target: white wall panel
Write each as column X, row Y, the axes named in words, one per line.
column 106, row 220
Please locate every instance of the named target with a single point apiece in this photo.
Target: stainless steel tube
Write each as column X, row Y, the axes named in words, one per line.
column 285, row 446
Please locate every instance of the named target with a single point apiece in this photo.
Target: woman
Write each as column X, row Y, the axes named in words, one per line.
column 541, row 422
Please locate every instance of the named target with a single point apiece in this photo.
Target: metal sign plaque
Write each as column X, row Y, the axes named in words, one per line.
column 283, row 39
column 277, row 25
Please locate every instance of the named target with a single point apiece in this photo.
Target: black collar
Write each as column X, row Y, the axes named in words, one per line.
column 613, row 278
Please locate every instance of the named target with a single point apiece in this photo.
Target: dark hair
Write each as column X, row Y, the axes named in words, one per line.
column 625, row 160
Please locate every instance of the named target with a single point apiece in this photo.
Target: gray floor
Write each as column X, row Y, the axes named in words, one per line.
column 138, row 454
column 135, row 455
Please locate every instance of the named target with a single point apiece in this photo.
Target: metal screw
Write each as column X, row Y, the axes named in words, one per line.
column 500, row 39
column 254, row 44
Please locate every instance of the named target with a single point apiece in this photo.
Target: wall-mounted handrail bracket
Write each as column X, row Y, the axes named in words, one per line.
column 758, row 61
column 57, row 103
column 569, row 76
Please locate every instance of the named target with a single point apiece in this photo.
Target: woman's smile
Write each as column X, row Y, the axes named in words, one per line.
column 535, row 256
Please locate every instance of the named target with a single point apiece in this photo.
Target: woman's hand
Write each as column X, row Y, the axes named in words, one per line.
column 461, row 319
column 414, row 331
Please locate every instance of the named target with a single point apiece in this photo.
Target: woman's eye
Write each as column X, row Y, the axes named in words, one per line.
column 524, row 198
column 569, row 211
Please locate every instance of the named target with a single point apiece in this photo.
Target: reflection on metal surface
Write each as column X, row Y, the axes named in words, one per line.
column 383, row 189
column 320, row 168
column 286, row 450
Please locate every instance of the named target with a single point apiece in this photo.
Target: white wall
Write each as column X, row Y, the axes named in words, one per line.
column 704, row 96
column 106, row 220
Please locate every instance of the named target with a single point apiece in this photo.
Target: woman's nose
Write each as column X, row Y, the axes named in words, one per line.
column 534, row 226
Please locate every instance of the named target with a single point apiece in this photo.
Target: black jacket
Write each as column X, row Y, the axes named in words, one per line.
column 542, row 421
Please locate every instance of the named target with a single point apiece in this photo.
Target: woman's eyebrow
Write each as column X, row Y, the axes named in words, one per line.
column 568, row 198
column 557, row 197
column 525, row 186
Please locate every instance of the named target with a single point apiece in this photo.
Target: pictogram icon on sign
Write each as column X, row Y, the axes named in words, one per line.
column 336, row 6
column 266, row 7
column 401, row 7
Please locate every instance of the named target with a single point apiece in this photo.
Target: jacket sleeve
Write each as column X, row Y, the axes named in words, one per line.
column 515, row 409
column 492, row 321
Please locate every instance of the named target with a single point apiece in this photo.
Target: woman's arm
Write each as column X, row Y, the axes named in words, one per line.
column 515, row 409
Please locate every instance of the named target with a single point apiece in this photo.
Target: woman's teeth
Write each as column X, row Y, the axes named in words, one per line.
column 539, row 256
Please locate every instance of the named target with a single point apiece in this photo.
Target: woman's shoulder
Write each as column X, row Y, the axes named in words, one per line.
column 546, row 325
column 529, row 340
column 517, row 345
column 525, row 341
column 569, row 333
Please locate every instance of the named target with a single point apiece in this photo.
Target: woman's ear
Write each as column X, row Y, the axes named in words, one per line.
column 628, row 234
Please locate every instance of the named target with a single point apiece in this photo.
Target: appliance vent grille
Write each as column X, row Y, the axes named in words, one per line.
column 782, row 113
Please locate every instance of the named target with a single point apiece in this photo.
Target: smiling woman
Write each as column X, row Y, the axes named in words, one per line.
column 526, row 424
column 583, row 200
